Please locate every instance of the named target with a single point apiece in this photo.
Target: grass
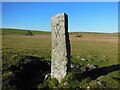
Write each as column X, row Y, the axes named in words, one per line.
column 100, row 49
column 20, row 31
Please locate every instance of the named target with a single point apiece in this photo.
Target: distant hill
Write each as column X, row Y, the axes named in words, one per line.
column 9, row 31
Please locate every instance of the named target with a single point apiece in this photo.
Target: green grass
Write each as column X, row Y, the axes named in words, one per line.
column 8, row 31
column 99, row 49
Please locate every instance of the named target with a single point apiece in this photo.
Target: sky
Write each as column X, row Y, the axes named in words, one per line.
column 82, row 16
column 60, row 0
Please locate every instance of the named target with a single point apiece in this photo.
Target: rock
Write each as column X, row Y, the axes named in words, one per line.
column 83, row 59
column 60, row 62
column 82, row 69
column 99, row 83
column 72, row 66
column 90, row 66
column 65, row 83
column 46, row 76
column 88, row 87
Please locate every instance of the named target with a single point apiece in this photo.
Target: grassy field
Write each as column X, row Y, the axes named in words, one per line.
column 98, row 49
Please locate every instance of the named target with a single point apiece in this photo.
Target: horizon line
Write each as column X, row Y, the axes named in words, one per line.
column 50, row 30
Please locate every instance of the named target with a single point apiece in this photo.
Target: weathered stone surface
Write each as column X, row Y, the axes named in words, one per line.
column 60, row 62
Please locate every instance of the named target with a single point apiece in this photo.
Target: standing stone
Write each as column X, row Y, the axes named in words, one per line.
column 60, row 63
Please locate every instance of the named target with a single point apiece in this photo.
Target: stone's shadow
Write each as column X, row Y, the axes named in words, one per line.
column 29, row 72
column 95, row 73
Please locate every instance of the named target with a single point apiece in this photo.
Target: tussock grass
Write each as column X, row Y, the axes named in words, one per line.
column 91, row 48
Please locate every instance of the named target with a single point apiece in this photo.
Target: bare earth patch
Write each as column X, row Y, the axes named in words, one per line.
column 109, row 39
